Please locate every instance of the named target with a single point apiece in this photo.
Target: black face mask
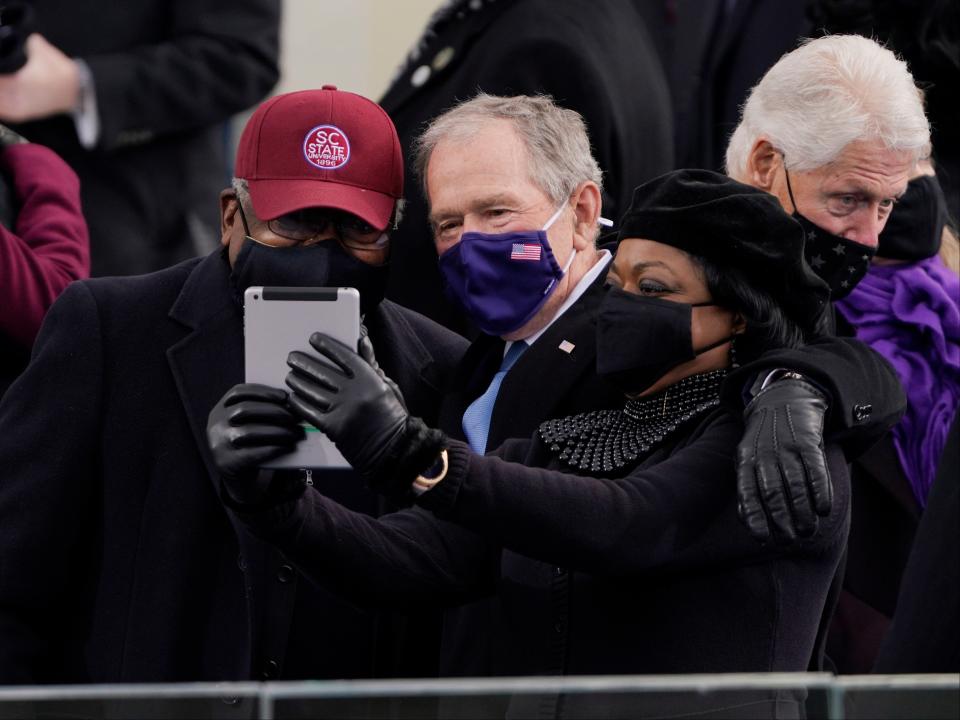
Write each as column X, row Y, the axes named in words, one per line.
column 640, row 339
column 914, row 229
column 839, row 262
column 324, row 264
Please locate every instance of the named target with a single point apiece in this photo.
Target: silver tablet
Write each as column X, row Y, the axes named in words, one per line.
column 278, row 320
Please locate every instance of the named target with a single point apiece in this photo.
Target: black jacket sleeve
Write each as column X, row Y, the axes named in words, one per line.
column 219, row 57
column 678, row 512
column 404, row 559
column 865, row 395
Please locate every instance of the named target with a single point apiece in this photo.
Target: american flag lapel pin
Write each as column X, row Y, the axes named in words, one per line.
column 567, row 346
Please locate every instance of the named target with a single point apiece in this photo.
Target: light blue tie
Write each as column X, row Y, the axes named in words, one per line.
column 476, row 419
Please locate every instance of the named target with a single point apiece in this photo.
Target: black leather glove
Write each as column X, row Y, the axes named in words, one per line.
column 363, row 412
column 783, row 483
column 250, row 425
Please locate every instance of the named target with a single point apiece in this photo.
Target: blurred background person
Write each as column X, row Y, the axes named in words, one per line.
column 134, row 96
column 595, row 58
column 43, row 244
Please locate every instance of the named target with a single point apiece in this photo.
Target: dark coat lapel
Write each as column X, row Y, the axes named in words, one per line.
column 209, row 360
column 541, row 381
column 545, row 376
column 405, row 359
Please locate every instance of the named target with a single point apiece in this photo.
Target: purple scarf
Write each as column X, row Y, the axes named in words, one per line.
column 910, row 314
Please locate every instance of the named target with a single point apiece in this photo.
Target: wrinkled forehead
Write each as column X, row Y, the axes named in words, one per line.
column 868, row 167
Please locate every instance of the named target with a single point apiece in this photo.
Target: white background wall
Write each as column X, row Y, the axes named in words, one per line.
column 353, row 44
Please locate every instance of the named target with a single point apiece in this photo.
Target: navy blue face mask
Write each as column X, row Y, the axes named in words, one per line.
column 501, row 280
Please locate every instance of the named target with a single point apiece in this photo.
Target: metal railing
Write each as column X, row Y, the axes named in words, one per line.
column 824, row 695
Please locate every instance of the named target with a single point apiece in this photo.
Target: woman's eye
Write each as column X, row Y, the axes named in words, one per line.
column 651, row 287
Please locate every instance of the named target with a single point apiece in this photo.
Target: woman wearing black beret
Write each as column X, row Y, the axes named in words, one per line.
column 609, row 542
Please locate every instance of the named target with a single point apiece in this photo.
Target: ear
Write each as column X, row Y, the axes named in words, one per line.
column 762, row 164
column 739, row 324
column 228, row 214
column 586, row 202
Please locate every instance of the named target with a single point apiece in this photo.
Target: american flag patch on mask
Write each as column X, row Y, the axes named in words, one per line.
column 525, row 251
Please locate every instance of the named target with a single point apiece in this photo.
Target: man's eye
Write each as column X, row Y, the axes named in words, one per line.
column 359, row 226
column 445, row 227
column 843, row 204
column 496, row 212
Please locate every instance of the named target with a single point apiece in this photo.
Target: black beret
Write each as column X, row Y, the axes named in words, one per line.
column 735, row 227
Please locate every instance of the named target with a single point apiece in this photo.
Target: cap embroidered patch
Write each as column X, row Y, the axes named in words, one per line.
column 326, row 147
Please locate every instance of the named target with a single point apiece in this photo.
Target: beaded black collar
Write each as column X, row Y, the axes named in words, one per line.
column 603, row 442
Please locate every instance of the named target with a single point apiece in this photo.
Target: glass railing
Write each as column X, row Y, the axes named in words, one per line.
column 811, row 695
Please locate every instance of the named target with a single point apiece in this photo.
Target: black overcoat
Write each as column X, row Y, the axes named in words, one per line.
column 117, row 560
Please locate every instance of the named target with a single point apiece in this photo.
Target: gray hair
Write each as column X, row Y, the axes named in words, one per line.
column 242, row 190
column 826, row 94
column 558, row 147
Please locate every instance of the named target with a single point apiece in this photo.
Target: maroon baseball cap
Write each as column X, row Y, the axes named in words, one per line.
column 321, row 148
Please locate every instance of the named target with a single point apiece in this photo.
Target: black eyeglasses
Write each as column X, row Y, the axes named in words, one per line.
column 304, row 225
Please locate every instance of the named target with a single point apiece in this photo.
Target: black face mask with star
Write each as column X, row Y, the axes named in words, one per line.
column 839, row 262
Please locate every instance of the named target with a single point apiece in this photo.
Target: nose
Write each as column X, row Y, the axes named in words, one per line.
column 866, row 228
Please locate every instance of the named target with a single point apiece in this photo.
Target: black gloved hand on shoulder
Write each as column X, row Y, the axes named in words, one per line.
column 783, row 483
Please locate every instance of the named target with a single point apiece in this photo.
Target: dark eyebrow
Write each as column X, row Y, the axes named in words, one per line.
column 640, row 266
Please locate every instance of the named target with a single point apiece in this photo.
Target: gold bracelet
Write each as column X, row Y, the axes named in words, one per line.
column 425, row 483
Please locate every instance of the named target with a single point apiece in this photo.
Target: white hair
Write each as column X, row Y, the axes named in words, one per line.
column 555, row 138
column 826, row 94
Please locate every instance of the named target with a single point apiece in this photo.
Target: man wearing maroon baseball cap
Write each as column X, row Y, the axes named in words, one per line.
column 314, row 166
column 123, row 378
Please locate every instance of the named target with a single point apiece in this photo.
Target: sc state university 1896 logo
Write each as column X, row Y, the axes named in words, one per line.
column 326, row 147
